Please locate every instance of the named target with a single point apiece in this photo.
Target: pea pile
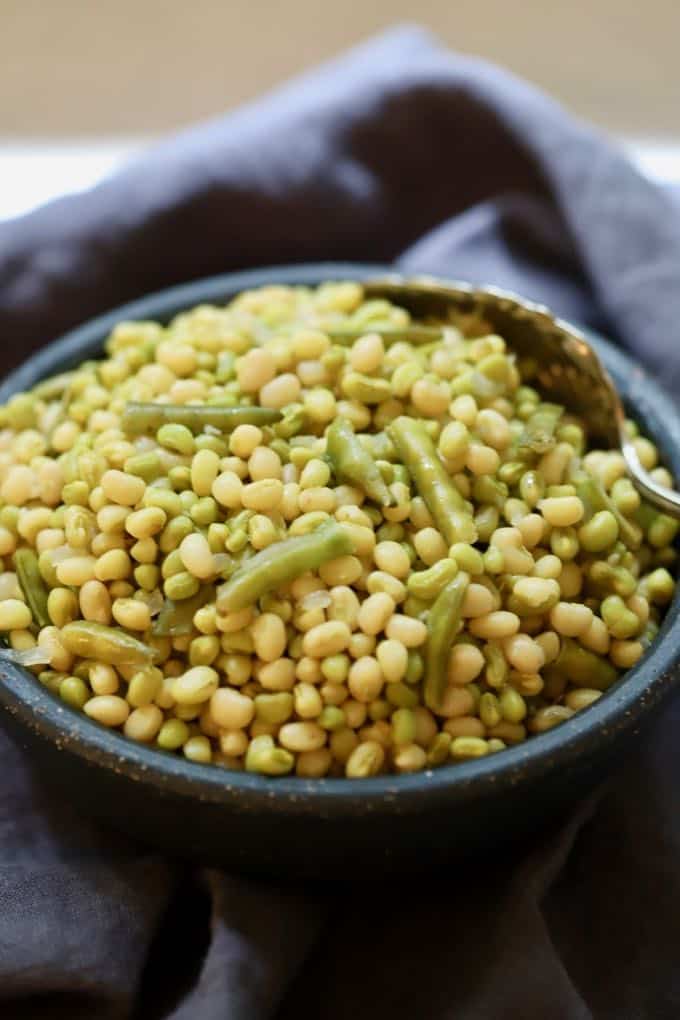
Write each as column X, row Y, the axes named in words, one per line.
column 306, row 534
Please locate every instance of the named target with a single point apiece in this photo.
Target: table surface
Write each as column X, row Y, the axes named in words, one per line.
column 33, row 173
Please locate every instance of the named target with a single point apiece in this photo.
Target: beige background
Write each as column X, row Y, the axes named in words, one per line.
column 143, row 66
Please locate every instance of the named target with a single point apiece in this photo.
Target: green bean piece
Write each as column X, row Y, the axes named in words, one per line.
column 176, row 617
column 538, row 435
column 444, row 619
column 105, row 644
column 352, row 463
column 412, row 334
column 139, row 418
column 365, row 388
column 32, row 585
column 442, row 498
column 282, row 562
column 594, row 498
column 581, row 667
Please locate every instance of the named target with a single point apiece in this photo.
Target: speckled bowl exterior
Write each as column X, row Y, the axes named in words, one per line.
column 331, row 827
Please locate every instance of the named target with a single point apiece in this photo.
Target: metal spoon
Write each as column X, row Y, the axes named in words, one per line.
column 569, row 372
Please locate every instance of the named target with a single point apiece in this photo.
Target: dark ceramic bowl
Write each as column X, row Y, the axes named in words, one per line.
column 331, row 827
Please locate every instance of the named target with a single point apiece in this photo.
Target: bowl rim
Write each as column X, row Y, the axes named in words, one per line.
column 568, row 746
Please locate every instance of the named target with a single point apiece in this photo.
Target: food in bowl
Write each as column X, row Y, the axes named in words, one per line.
column 307, row 533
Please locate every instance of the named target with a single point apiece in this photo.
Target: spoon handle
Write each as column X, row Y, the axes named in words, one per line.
column 660, row 496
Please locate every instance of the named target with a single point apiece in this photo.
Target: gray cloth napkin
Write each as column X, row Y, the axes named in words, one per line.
column 397, row 151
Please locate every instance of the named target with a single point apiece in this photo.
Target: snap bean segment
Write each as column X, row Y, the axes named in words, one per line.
column 283, row 562
column 444, row 620
column 138, row 418
column 32, row 585
column 352, row 463
column 434, row 484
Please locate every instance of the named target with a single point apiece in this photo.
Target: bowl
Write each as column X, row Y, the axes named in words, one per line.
column 326, row 828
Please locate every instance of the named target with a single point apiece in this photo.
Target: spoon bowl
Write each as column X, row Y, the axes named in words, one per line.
column 568, row 369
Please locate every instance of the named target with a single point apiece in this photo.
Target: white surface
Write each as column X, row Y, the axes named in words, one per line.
column 31, row 174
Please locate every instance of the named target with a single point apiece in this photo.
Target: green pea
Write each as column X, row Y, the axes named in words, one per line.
column 147, row 576
column 621, row 622
column 606, row 579
column 237, row 541
column 490, row 709
column 511, row 472
column 21, row 411
column 439, row 750
column 426, row 584
column 401, row 474
column 493, row 560
column 205, row 442
column 404, row 377
column 625, row 496
column 205, row 511
column 365, row 388
column 48, row 570
column 52, row 680
column 144, row 687
column 564, row 543
column 475, row 690
column 76, row 493
column 662, row 531
column 390, row 532
column 599, row 533
column 274, row 708
column 239, row 641
column 467, row 557
column 496, row 672
column 165, row 499
column 181, row 586
column 403, row 726
column 495, row 366
column 331, row 718
column 379, row 709
column 9, row 517
column 531, row 488
column 280, row 447
column 173, row 533
column 335, row 668
column 172, row 564
column 418, row 608
column 264, row 758
column 660, row 586
column 180, row 478
column 204, row 650
column 454, row 440
column 226, row 366
column 74, row 691
column 512, row 705
column 173, row 734
column 486, row 521
column 176, row 437
column 414, row 668
column 572, row 434
column 487, row 490
column 145, row 465
column 401, row 696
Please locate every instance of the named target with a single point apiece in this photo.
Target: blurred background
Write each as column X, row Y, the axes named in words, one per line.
column 84, row 84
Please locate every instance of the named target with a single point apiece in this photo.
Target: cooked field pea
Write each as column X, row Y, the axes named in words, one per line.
column 306, row 533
